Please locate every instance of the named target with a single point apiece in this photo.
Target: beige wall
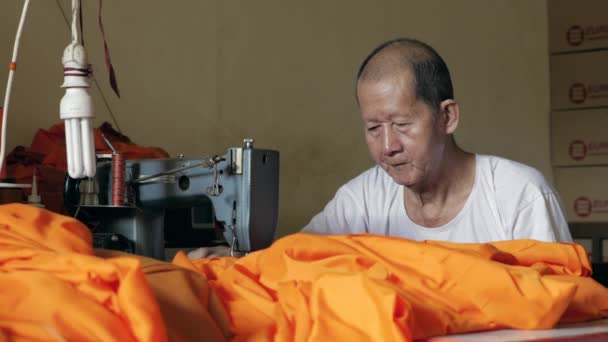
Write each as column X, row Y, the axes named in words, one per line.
column 199, row 77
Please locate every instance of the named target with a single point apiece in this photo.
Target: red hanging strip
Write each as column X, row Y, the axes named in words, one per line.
column 80, row 15
column 113, row 81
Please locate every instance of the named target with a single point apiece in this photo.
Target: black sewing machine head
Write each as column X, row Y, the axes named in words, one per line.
column 143, row 206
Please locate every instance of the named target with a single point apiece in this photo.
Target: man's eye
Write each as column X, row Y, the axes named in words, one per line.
column 373, row 128
column 402, row 126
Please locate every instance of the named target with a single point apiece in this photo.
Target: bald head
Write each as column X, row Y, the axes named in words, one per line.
column 401, row 56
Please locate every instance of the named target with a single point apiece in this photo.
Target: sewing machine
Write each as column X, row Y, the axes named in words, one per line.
column 240, row 188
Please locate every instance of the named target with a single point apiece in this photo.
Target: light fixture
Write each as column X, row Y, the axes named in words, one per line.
column 76, row 106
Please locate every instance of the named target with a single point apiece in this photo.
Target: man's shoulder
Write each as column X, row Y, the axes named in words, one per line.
column 512, row 177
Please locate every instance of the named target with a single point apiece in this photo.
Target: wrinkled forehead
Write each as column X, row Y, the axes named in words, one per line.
column 394, row 62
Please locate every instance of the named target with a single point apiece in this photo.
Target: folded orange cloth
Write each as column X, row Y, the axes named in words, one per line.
column 53, row 288
column 373, row 288
column 302, row 288
column 191, row 311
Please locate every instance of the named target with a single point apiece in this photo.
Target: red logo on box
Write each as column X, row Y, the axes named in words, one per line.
column 575, row 35
column 583, row 206
column 577, row 150
column 577, row 93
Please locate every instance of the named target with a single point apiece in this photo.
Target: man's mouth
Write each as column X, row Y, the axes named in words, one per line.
column 395, row 165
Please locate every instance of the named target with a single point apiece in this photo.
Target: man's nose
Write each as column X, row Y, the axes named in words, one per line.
column 391, row 143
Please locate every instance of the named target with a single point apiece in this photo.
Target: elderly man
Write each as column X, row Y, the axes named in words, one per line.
column 425, row 187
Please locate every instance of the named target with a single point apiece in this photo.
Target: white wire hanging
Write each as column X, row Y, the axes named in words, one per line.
column 7, row 96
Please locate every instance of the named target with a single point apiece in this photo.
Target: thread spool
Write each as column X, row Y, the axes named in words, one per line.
column 119, row 187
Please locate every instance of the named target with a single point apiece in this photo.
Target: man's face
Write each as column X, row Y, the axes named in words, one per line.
column 403, row 134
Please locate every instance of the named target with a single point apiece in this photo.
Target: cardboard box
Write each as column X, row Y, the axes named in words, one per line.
column 579, row 137
column 579, row 80
column 577, row 25
column 584, row 193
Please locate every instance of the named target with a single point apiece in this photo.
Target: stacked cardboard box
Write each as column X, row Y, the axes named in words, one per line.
column 578, row 45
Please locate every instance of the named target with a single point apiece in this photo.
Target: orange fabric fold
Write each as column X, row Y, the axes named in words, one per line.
column 363, row 287
column 52, row 287
column 189, row 307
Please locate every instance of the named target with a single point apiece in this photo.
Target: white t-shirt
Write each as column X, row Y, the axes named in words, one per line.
column 509, row 201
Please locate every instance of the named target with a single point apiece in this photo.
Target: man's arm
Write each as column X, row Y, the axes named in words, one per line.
column 542, row 219
column 209, row 252
column 344, row 214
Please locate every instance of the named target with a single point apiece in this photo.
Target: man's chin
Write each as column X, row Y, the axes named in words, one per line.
column 404, row 174
column 405, row 180
column 408, row 184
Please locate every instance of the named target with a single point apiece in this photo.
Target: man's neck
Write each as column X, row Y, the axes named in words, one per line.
column 444, row 193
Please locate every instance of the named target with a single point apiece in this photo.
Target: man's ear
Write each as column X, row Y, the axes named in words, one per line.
column 450, row 115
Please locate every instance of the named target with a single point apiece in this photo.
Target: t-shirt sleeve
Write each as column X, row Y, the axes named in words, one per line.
column 542, row 219
column 342, row 215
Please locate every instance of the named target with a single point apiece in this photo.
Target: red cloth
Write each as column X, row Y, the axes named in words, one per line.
column 3, row 172
column 47, row 154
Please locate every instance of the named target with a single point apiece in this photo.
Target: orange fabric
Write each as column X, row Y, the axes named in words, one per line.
column 302, row 288
column 547, row 258
column 52, row 287
column 190, row 309
column 372, row 288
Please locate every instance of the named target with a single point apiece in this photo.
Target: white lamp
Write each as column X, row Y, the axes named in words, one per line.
column 76, row 106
